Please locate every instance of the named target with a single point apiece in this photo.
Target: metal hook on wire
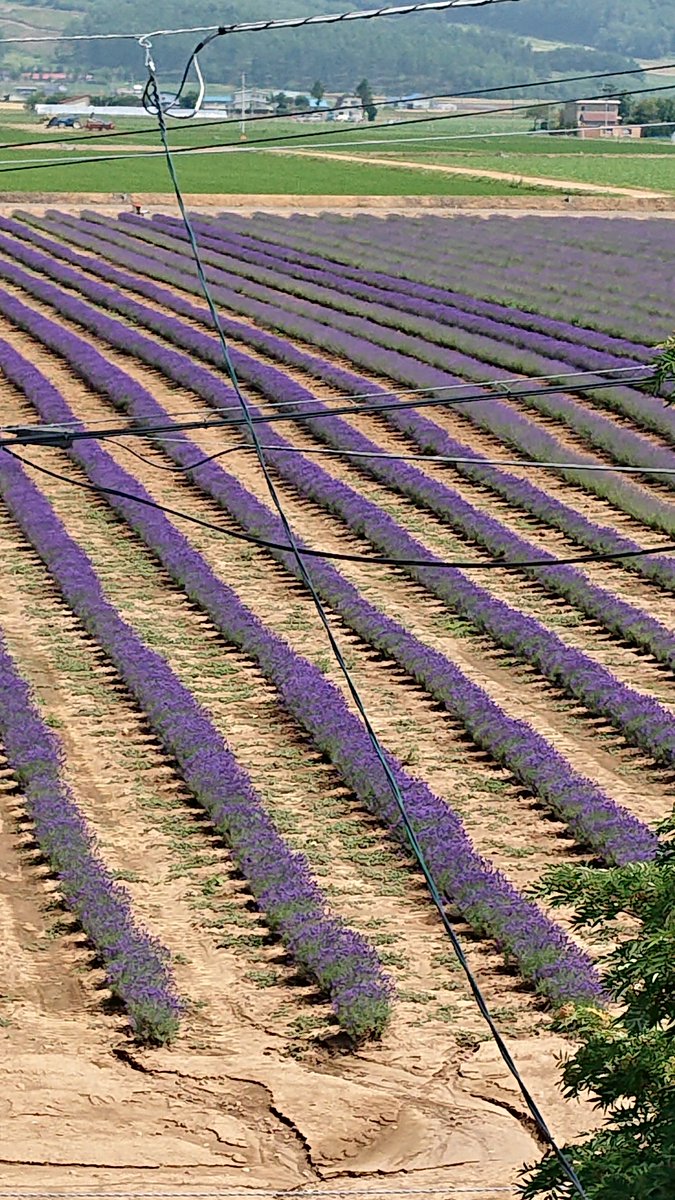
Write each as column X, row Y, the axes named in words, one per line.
column 154, row 105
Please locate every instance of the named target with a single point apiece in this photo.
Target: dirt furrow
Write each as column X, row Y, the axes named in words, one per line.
column 361, row 873
column 48, row 980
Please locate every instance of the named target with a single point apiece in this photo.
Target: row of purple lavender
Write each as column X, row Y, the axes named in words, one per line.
column 410, row 362
column 344, row 965
column 425, row 433
column 642, row 720
column 482, row 894
column 137, row 967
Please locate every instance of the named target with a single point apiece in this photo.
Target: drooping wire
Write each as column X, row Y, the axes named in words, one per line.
column 401, row 10
column 611, row 377
column 251, row 27
column 60, row 434
column 368, row 560
column 570, row 1173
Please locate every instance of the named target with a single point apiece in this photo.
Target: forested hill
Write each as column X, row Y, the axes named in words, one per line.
column 643, row 28
column 422, row 53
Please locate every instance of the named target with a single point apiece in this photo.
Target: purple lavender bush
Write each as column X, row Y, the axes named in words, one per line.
column 345, row 966
column 137, row 966
column 558, row 969
column 642, row 720
column 591, row 815
column 426, row 434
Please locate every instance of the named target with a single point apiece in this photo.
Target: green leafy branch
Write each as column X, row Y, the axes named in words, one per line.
column 664, row 369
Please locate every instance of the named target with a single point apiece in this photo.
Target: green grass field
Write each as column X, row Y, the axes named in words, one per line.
column 264, row 174
column 649, row 163
column 654, row 169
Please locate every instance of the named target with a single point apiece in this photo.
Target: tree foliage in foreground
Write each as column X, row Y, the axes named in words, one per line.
column 625, row 1061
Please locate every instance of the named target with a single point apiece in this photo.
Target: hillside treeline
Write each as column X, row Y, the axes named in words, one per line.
column 644, row 28
column 432, row 52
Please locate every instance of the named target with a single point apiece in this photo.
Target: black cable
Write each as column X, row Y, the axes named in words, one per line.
column 174, row 469
column 303, row 112
column 282, row 139
column 295, row 23
column 39, row 435
column 338, row 556
column 421, row 456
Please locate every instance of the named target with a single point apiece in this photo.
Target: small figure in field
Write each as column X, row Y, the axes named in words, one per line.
column 137, row 207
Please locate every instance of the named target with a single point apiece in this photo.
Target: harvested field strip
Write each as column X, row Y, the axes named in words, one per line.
column 194, row 453
column 211, row 772
column 519, row 431
column 497, row 886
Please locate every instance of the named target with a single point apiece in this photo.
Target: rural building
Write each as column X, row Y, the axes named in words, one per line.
column 349, row 108
column 592, row 118
column 627, row 131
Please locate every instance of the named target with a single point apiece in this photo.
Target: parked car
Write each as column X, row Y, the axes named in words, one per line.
column 63, row 123
column 97, row 123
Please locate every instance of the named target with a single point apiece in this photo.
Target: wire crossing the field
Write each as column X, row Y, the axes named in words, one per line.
column 152, row 96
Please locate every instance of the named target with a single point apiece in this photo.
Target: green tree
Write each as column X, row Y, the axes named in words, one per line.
column 301, row 102
column 318, row 91
column 627, row 1061
column 282, row 103
column 365, row 94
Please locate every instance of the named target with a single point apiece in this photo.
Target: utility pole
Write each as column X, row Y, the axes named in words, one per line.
column 243, row 106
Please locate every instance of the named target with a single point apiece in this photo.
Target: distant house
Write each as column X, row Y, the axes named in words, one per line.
column 349, row 108
column 252, row 102
column 592, row 118
column 318, row 110
column 217, row 104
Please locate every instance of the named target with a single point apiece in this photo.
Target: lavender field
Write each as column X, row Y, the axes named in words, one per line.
column 201, row 839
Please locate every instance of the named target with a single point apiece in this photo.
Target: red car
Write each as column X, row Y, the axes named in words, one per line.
column 97, row 123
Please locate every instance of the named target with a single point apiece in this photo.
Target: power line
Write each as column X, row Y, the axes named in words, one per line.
column 400, row 10
column 480, row 462
column 608, row 378
column 505, row 384
column 282, row 139
column 343, row 556
column 64, row 435
column 251, row 147
column 388, row 456
column 152, row 92
column 254, row 26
